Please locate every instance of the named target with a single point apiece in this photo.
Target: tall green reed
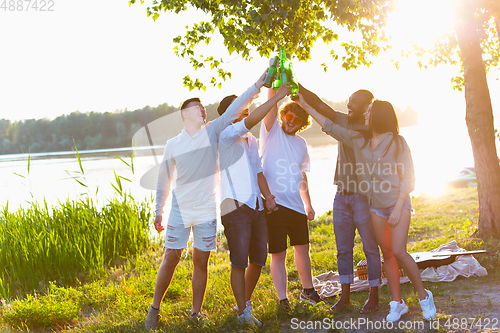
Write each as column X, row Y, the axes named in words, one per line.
column 39, row 244
column 71, row 241
column 27, row 177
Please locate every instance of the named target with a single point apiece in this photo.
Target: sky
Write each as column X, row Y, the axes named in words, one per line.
column 102, row 55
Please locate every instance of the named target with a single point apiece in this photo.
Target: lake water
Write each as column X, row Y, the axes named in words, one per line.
column 436, row 157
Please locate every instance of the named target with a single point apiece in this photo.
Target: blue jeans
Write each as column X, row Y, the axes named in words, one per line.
column 351, row 212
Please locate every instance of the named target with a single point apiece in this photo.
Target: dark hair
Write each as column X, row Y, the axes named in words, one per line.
column 366, row 95
column 383, row 119
column 187, row 101
column 299, row 111
column 224, row 104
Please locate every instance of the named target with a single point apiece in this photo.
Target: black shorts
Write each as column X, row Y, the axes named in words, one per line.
column 286, row 222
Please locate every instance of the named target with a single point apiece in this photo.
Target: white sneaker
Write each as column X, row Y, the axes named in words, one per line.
column 247, row 317
column 249, row 305
column 397, row 310
column 428, row 307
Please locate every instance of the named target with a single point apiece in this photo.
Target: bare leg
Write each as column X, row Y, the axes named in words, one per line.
column 200, row 276
column 382, row 232
column 398, row 245
column 345, row 297
column 278, row 273
column 373, row 297
column 252, row 276
column 165, row 274
column 303, row 264
column 238, row 286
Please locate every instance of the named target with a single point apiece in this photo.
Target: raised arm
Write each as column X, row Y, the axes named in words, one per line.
column 259, row 113
column 320, row 119
column 241, row 103
column 270, row 117
column 235, row 131
column 316, row 103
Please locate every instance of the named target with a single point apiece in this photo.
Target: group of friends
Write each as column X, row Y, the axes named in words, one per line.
column 265, row 197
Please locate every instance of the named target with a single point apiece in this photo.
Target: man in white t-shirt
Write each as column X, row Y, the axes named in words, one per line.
column 242, row 210
column 285, row 162
column 193, row 153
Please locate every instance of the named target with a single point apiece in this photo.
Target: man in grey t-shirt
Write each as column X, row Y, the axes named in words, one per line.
column 351, row 210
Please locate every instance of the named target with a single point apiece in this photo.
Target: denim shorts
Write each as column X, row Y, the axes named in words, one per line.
column 246, row 234
column 177, row 235
column 386, row 212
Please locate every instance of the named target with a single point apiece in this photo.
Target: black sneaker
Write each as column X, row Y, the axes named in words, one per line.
column 284, row 306
column 311, row 297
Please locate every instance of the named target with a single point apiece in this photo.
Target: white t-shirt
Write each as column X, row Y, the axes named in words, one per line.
column 284, row 158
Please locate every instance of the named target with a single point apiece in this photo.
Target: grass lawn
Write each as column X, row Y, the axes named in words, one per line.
column 118, row 302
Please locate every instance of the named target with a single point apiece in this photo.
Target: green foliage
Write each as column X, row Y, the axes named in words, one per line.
column 264, row 27
column 62, row 243
column 445, row 49
column 56, row 308
column 118, row 301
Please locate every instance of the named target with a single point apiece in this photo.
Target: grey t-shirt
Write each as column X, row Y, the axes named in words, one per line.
column 382, row 174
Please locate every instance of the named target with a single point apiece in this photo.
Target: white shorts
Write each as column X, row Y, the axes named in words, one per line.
column 177, row 236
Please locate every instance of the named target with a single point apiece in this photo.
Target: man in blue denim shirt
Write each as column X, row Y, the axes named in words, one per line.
column 351, row 210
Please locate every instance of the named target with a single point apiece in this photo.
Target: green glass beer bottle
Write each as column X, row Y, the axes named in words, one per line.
column 277, row 81
column 270, row 73
column 293, row 83
column 283, row 66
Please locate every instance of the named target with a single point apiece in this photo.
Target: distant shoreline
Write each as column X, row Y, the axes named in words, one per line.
column 86, row 153
column 312, row 141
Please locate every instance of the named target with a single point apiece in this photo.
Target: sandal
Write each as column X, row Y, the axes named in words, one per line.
column 337, row 307
column 369, row 308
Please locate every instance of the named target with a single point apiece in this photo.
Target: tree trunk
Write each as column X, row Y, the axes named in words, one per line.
column 479, row 118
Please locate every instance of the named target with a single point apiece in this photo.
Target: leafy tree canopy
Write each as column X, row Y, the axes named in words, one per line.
column 446, row 49
column 266, row 26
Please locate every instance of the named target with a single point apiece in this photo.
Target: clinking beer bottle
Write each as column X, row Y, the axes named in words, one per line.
column 277, row 81
column 293, row 83
column 281, row 76
column 285, row 74
column 284, row 67
column 270, row 73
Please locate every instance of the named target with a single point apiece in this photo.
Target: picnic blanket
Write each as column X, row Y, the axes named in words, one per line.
column 327, row 284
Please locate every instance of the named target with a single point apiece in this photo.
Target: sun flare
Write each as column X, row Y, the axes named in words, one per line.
column 420, row 22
